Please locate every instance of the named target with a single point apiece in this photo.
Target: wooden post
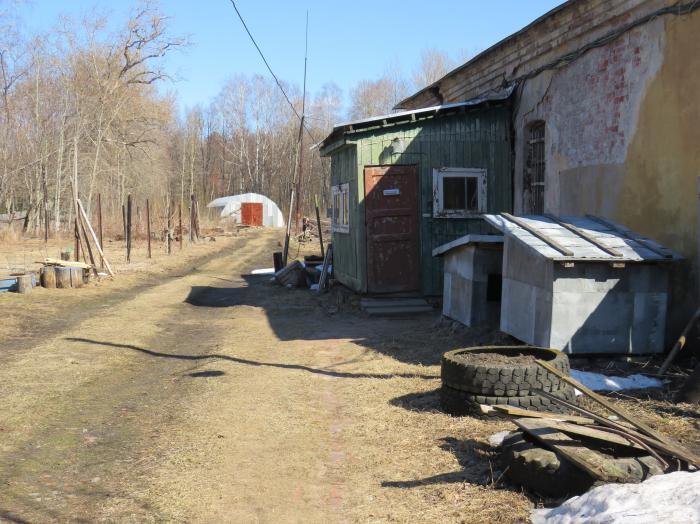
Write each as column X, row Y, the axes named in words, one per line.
column 124, row 224
column 318, row 224
column 180, row 218
column 128, row 228
column 168, row 239
column 99, row 226
column 77, row 240
column 46, row 204
column 148, row 226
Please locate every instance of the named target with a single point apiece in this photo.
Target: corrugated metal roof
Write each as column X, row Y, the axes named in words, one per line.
column 408, row 116
column 466, row 240
column 574, row 238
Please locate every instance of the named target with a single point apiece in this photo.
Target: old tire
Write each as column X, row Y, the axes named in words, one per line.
column 503, row 380
column 460, row 403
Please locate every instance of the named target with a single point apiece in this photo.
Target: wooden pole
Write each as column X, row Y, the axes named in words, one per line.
column 148, row 226
column 124, row 224
column 99, row 225
column 86, row 244
column 318, row 224
column 180, row 220
column 128, row 228
column 168, row 239
column 75, row 196
column 46, row 204
column 94, row 237
column 680, row 342
column 77, row 240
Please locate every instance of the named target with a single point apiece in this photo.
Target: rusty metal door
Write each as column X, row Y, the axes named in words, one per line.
column 252, row 213
column 391, row 213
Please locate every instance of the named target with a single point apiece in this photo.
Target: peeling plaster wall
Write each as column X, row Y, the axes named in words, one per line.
column 591, row 109
column 622, row 129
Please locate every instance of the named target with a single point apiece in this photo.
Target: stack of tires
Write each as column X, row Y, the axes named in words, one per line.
column 484, row 375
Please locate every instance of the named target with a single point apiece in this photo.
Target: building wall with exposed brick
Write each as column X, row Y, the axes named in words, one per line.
column 622, row 120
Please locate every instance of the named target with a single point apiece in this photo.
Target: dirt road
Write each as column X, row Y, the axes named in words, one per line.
column 214, row 396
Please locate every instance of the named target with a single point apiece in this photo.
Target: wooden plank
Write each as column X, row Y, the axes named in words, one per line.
column 526, row 413
column 534, row 232
column 676, row 448
column 627, row 234
column 94, row 238
column 575, row 431
column 618, row 426
column 603, row 402
column 583, row 234
column 63, row 263
column 592, row 462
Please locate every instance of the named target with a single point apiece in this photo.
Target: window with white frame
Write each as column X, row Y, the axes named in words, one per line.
column 341, row 208
column 458, row 192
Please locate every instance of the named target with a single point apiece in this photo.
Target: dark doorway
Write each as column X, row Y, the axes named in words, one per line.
column 391, row 211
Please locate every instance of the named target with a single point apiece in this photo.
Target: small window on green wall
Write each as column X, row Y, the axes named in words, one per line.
column 341, row 208
column 458, row 192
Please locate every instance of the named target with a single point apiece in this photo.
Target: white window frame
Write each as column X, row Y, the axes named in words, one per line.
column 439, row 176
column 340, row 198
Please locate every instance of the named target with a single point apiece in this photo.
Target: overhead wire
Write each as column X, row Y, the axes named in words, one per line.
column 277, row 80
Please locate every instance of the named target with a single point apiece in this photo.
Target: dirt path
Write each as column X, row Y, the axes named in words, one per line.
column 213, row 396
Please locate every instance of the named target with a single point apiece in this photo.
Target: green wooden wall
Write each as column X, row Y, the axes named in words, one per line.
column 476, row 139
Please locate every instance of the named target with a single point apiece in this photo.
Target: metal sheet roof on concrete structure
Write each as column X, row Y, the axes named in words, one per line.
column 584, row 239
column 466, row 240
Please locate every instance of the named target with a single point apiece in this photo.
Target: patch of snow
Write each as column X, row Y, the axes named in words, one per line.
column 668, row 499
column 265, row 271
column 497, row 438
column 600, row 382
column 313, row 287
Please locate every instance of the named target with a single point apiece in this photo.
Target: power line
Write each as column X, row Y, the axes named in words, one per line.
column 277, row 81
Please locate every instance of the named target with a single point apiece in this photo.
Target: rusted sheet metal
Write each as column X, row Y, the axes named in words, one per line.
column 252, row 213
column 391, row 210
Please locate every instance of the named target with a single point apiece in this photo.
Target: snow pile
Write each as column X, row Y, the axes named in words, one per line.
column 600, row 382
column 668, row 499
column 263, row 271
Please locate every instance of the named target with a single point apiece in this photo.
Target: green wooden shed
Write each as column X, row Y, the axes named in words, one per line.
column 405, row 183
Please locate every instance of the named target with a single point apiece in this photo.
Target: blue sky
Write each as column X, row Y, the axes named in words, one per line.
column 348, row 40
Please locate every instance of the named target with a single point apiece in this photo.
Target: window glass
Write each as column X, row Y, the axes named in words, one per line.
column 455, row 193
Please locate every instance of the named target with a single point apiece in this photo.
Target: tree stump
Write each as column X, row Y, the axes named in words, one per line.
column 63, row 277
column 24, row 284
column 76, row 277
column 48, row 277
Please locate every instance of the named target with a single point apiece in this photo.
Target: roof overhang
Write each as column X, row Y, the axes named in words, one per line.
column 337, row 138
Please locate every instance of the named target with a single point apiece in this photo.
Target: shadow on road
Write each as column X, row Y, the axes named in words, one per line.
column 473, row 457
column 237, row 360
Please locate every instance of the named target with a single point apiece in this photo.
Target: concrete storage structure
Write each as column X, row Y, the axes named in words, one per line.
column 583, row 285
column 472, row 280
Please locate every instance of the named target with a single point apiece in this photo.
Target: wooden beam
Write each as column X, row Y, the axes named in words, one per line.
column 584, row 235
column 94, row 238
column 544, row 238
column 643, row 428
column 526, row 413
column 594, row 463
column 627, row 235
